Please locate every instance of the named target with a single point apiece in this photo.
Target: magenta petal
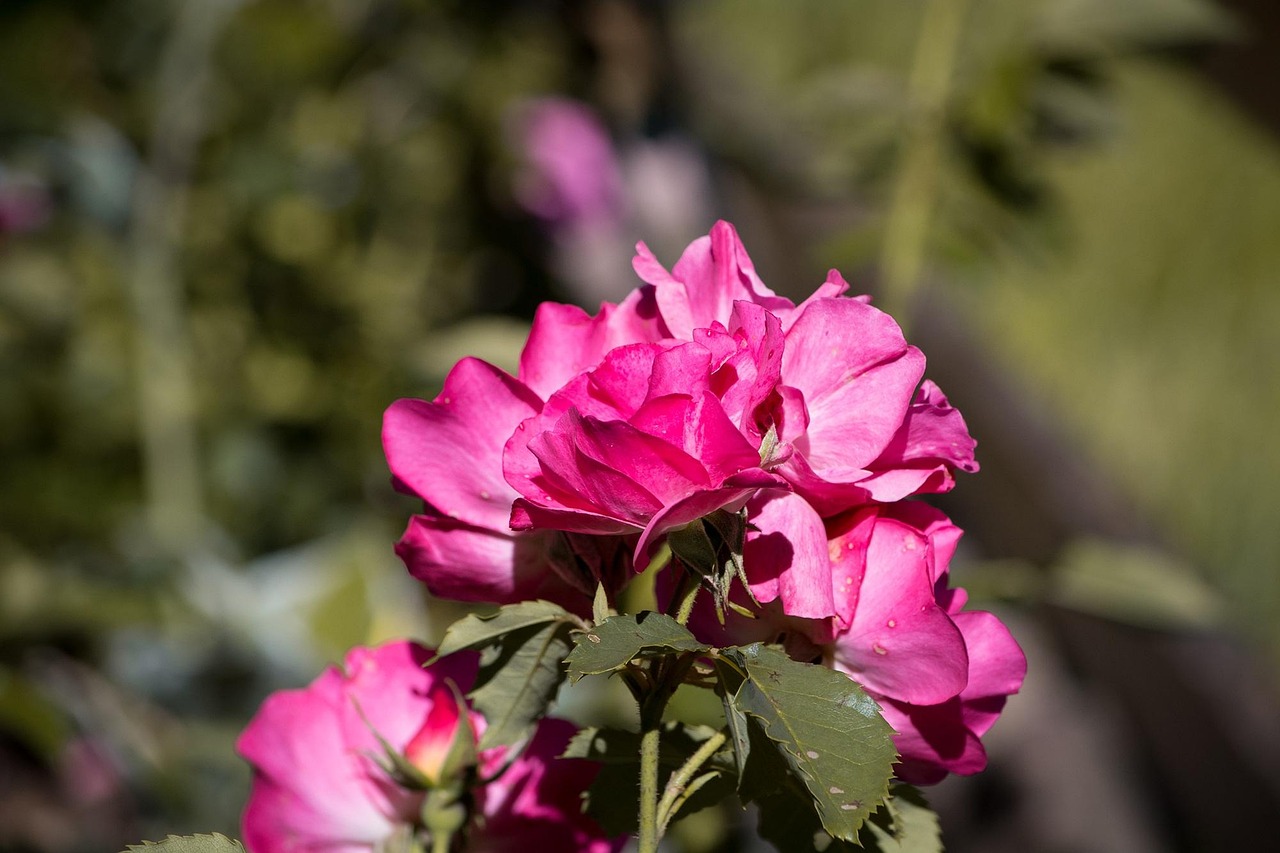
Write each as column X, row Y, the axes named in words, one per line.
column 834, row 286
column 901, row 644
column 716, row 442
column 788, row 557
column 565, row 341
column 932, row 741
column 932, row 440
column 731, row 495
column 665, row 418
column 830, row 493
column 997, row 667
column 575, row 478
column 757, row 368
column 389, row 691
column 616, row 388
column 935, row 526
column 835, row 341
column 537, row 803
column 449, row 451
column 465, row 563
column 684, row 369
column 615, row 469
column 857, row 375
column 526, row 515
column 307, row 790
column 701, row 288
column 315, row 785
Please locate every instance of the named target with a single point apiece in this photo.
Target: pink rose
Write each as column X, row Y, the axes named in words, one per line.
column 655, row 436
column 701, row 391
column 318, row 783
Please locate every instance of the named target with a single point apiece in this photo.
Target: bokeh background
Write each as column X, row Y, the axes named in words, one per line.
column 233, row 231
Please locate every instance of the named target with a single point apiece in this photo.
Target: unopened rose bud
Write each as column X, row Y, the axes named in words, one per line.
column 445, row 746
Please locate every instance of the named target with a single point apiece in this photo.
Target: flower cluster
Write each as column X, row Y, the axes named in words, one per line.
column 351, row 764
column 703, row 394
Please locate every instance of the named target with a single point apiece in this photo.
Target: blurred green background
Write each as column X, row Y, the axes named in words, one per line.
column 233, row 231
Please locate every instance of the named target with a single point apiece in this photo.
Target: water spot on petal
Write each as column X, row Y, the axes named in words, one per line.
column 879, row 649
column 892, row 623
column 484, row 496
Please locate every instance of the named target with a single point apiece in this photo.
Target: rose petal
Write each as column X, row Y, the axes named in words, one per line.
column 449, row 451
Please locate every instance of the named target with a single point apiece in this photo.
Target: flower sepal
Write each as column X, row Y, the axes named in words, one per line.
column 445, row 812
column 711, row 549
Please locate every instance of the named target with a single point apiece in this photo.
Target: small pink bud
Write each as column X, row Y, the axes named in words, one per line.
column 446, row 743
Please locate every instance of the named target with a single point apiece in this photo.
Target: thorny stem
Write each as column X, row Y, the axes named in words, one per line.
column 911, row 201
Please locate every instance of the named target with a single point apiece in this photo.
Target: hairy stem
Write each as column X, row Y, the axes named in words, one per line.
column 667, row 674
column 650, row 832
column 679, row 783
column 685, row 595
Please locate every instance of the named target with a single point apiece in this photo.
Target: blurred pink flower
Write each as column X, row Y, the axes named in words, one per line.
column 317, row 783
column 571, row 177
column 25, row 204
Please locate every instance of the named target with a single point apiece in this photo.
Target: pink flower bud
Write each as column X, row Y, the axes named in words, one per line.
column 446, row 743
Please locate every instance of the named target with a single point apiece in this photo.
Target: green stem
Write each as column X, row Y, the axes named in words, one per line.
column 685, row 595
column 679, row 782
column 666, row 675
column 691, row 789
column 650, row 831
column 911, row 200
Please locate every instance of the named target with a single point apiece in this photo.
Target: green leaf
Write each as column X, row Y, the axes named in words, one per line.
column 827, row 730
column 905, row 825
column 613, row 797
column 600, row 609
column 735, row 719
column 616, row 641
column 789, row 823
column 476, row 631
column 522, row 647
column 213, row 843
